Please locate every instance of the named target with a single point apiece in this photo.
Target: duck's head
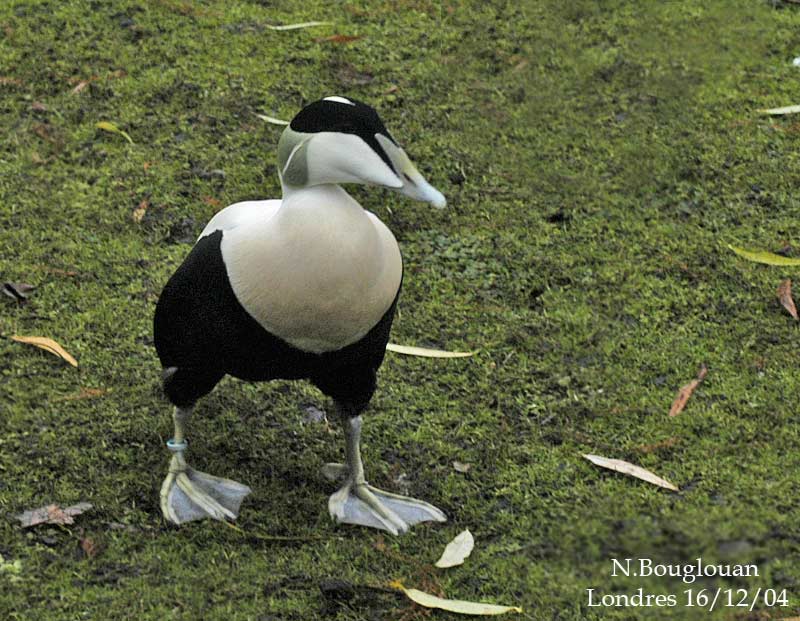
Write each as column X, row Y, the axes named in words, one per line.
column 341, row 140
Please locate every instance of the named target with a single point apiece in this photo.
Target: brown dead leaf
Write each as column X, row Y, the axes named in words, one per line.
column 38, row 106
column 210, row 200
column 47, row 344
column 51, row 514
column 84, row 393
column 392, row 89
column 140, row 211
column 338, row 38
column 58, row 271
column 89, row 547
column 785, row 297
column 147, row 165
column 461, row 467
column 686, row 391
column 8, row 80
column 618, row 465
column 657, row 446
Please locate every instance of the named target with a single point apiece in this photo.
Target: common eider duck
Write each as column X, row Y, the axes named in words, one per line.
column 304, row 287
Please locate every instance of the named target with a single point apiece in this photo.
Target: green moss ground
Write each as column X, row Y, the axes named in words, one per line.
column 597, row 158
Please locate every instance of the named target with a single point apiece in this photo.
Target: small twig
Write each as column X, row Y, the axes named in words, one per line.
column 271, row 537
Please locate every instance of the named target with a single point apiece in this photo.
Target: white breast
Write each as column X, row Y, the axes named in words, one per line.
column 319, row 273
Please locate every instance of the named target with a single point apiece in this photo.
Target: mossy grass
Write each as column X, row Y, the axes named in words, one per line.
column 597, row 158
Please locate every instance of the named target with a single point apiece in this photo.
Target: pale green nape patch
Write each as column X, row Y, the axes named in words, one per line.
column 296, row 174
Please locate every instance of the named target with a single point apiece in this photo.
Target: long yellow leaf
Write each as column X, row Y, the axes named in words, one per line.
column 455, row 605
column 47, row 344
column 408, row 350
column 625, row 467
column 296, row 26
column 271, row 119
column 108, row 126
column 761, row 256
column 784, row 110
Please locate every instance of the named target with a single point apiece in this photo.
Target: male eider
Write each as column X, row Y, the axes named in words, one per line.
column 299, row 288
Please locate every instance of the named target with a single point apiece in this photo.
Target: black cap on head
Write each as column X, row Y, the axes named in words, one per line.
column 345, row 115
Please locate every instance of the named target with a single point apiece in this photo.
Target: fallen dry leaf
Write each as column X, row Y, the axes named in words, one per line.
column 85, row 393
column 80, row 86
column 780, row 111
column 58, row 271
column 297, row 26
column 140, row 211
column 271, row 119
column 6, row 80
column 686, row 391
column 656, row 446
column 338, row 38
column 426, row 353
column 625, row 467
column 108, row 126
column 89, row 547
column 461, row 467
column 18, row 291
column 210, row 200
column 51, row 514
column 761, row 256
column 47, row 344
column 785, row 296
column 454, row 605
column 38, row 106
column 457, row 550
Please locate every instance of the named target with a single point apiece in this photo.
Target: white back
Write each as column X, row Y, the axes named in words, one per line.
column 239, row 214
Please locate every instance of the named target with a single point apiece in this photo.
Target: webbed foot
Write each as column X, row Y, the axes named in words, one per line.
column 364, row 505
column 188, row 494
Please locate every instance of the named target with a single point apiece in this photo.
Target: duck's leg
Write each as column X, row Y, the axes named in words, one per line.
column 188, row 494
column 357, row 502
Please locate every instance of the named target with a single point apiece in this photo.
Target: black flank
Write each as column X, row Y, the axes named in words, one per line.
column 203, row 331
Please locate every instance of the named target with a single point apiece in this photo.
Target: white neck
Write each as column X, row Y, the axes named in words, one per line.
column 326, row 206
